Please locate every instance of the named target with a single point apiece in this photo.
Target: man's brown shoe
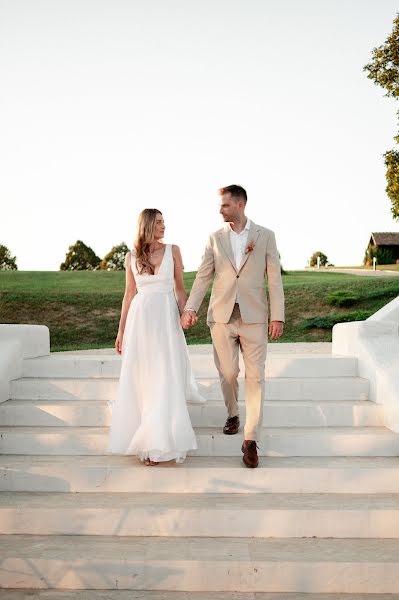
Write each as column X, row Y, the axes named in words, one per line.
column 250, row 457
column 232, row 426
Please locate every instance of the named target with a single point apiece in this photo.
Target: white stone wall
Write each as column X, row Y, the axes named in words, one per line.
column 18, row 342
column 375, row 342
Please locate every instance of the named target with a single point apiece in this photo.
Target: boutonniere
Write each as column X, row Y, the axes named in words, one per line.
column 249, row 247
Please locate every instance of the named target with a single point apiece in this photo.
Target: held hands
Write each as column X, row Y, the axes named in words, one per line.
column 276, row 329
column 188, row 319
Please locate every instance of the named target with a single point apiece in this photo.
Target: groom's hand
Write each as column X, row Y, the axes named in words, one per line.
column 276, row 329
column 188, row 318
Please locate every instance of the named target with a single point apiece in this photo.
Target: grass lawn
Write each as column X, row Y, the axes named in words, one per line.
column 82, row 309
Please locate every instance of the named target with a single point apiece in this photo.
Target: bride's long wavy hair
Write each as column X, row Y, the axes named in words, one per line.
column 144, row 237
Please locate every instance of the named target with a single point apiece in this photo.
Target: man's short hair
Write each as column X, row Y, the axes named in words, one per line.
column 236, row 191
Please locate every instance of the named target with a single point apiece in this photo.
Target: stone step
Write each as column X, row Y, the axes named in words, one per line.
column 311, row 475
column 30, row 594
column 201, row 564
column 306, row 441
column 282, row 441
column 317, row 388
column 202, row 515
column 103, row 365
column 92, row 413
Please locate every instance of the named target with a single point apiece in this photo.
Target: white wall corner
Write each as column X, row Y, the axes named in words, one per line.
column 18, row 342
column 34, row 339
column 375, row 343
column 10, row 366
column 389, row 312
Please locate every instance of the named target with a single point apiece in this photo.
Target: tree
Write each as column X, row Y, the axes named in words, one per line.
column 115, row 259
column 392, row 175
column 80, row 258
column 384, row 256
column 384, row 71
column 7, row 262
column 323, row 259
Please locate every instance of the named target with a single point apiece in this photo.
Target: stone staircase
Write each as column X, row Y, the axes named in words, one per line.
column 318, row 519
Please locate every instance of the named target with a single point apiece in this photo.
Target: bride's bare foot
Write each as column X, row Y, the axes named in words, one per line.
column 150, row 463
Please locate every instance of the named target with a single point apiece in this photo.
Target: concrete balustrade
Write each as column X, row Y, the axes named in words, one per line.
column 18, row 342
column 375, row 343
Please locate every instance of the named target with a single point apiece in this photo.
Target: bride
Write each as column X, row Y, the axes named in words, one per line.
column 149, row 415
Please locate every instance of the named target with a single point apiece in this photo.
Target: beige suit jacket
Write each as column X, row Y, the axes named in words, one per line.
column 245, row 285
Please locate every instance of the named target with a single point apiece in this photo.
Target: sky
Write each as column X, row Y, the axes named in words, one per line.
column 111, row 106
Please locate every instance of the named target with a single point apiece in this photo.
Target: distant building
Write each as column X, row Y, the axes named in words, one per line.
column 382, row 240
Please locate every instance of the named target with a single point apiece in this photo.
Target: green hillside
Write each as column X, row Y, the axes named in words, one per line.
column 82, row 309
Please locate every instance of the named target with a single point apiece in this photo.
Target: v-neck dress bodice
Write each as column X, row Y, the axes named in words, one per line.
column 163, row 281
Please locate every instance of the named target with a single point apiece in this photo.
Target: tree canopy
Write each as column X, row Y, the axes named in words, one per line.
column 80, row 258
column 383, row 69
column 7, row 261
column 115, row 259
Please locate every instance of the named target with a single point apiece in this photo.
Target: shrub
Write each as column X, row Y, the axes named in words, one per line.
column 328, row 321
column 282, row 270
column 380, row 293
column 342, row 298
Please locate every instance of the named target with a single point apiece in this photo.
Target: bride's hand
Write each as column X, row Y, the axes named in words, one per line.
column 118, row 342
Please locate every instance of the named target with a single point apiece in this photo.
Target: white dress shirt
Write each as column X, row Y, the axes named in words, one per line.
column 239, row 242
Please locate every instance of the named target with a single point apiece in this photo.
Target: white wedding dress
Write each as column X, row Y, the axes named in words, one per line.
column 149, row 415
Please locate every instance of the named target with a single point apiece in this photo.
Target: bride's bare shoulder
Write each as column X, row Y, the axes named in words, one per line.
column 175, row 250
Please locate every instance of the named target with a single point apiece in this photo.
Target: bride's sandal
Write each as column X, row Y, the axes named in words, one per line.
column 150, row 463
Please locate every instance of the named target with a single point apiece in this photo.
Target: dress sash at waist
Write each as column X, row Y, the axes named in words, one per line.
column 152, row 289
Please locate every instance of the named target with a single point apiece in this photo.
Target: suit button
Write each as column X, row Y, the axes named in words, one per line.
column 237, row 276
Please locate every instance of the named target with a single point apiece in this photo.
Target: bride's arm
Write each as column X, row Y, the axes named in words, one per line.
column 180, row 292
column 130, row 292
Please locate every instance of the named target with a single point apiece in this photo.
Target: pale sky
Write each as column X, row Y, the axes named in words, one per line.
column 111, row 106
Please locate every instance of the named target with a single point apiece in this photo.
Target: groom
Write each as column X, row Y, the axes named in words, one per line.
column 240, row 256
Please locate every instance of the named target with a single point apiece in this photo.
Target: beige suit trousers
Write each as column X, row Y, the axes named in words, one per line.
column 227, row 338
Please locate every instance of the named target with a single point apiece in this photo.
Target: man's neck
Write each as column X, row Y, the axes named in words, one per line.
column 239, row 225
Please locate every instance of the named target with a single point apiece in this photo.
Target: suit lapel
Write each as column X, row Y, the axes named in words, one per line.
column 226, row 245
column 253, row 235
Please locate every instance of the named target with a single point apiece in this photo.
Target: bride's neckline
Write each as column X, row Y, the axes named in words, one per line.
column 160, row 264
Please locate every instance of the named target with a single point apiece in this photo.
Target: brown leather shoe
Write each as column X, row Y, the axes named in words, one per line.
column 250, row 457
column 232, row 426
